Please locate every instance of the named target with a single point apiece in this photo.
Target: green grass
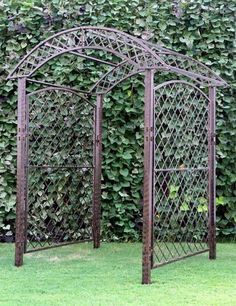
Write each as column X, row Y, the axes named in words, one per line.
column 80, row 275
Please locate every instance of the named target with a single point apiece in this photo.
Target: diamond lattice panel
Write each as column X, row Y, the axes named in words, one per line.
column 181, row 172
column 60, row 168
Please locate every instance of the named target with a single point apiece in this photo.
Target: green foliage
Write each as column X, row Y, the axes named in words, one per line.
column 203, row 29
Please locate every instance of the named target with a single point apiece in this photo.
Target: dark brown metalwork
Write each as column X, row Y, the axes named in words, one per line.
column 148, row 171
column 179, row 147
column 21, row 173
column 212, row 183
column 59, row 173
column 97, row 172
column 181, row 172
column 135, row 51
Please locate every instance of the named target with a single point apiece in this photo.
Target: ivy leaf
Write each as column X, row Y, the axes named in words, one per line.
column 124, row 172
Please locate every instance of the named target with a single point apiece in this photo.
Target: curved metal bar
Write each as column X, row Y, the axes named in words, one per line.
column 57, row 85
column 63, row 89
column 165, row 51
column 111, row 72
column 95, row 88
column 182, row 82
column 89, row 57
column 68, row 51
column 124, row 40
column 121, row 80
column 200, row 79
column 124, row 46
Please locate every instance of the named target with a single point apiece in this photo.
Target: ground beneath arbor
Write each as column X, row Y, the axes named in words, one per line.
column 80, row 275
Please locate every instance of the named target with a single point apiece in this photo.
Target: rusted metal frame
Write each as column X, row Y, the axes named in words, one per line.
column 156, row 254
column 153, row 177
column 50, row 244
column 212, row 175
column 140, row 45
column 61, row 88
column 21, row 174
column 43, row 133
column 26, row 169
column 199, row 242
column 180, row 169
column 166, row 245
column 106, row 74
column 49, row 88
column 196, row 76
column 121, row 80
column 169, row 247
column 165, row 170
column 56, row 86
column 180, row 258
column 177, row 70
column 162, row 50
column 76, row 49
column 97, row 171
column 108, row 89
column 148, row 176
column 192, row 214
column 81, row 55
column 207, row 99
column 182, row 82
column 60, row 167
column 57, row 245
column 118, row 82
column 119, row 66
column 82, row 29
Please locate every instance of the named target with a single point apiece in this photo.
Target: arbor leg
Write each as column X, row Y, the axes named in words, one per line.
column 21, row 174
column 148, row 177
column 212, row 182
column 97, row 172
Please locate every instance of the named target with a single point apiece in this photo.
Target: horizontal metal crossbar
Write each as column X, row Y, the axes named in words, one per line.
column 179, row 258
column 56, row 246
column 181, row 169
column 57, row 86
column 59, row 167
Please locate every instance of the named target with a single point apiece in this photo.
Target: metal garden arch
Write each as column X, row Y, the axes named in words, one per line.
column 179, row 148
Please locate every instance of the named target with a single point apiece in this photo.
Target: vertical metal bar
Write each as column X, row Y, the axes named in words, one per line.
column 153, row 177
column 212, row 181
column 148, row 176
column 27, row 168
column 21, row 175
column 97, row 172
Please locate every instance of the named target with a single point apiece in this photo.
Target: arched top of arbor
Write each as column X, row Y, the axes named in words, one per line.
column 135, row 56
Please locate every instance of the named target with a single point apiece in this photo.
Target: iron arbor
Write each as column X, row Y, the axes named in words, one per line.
column 179, row 148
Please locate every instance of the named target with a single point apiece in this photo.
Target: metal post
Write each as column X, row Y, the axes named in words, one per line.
column 97, row 172
column 212, row 182
column 148, row 176
column 21, row 173
column 27, row 168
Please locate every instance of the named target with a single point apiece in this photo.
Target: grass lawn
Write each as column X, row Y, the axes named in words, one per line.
column 80, row 275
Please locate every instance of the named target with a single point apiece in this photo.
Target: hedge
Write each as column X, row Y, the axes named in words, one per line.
column 202, row 29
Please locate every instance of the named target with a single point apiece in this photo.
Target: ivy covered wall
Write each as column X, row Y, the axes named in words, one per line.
column 203, row 29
